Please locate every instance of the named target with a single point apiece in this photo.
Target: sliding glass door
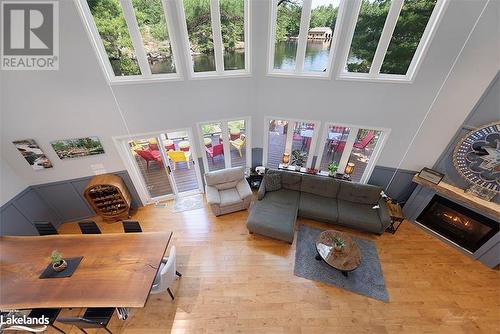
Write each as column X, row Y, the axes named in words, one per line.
column 296, row 138
column 225, row 143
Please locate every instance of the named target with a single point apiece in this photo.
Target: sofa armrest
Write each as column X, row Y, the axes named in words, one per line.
column 244, row 189
column 262, row 190
column 383, row 213
column 213, row 196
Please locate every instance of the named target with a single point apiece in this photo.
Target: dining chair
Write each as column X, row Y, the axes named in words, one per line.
column 131, row 226
column 50, row 313
column 89, row 227
column 45, row 228
column 94, row 317
column 166, row 275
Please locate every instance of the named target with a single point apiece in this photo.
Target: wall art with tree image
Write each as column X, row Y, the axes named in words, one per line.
column 78, row 147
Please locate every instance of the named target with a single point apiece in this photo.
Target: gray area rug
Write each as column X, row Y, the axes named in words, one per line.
column 188, row 203
column 366, row 280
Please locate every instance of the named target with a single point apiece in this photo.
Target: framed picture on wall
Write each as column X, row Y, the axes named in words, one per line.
column 430, row 175
column 33, row 154
column 77, row 147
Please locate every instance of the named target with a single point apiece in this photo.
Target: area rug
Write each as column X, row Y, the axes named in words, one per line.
column 188, row 203
column 366, row 280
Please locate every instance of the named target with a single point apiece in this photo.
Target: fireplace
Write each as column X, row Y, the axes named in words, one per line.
column 458, row 224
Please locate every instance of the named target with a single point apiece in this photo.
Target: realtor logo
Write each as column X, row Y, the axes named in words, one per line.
column 30, row 35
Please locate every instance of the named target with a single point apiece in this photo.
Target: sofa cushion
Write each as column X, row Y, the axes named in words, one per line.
column 318, row 207
column 289, row 180
column 359, row 216
column 225, row 178
column 320, row 185
column 273, row 182
column 229, row 196
column 359, row 193
column 283, row 196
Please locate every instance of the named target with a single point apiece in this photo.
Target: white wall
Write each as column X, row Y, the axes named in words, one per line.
column 10, row 183
column 76, row 100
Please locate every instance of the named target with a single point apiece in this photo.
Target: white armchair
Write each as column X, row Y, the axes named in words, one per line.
column 227, row 190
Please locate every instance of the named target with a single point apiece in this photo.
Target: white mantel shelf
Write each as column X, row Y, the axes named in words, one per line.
column 461, row 196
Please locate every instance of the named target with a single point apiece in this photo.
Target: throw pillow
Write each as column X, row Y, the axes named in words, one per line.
column 273, row 182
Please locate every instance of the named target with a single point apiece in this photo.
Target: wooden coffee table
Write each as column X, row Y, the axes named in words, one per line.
column 346, row 260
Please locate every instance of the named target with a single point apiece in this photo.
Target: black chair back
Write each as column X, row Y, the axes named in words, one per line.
column 45, row 228
column 95, row 317
column 89, row 227
column 131, row 226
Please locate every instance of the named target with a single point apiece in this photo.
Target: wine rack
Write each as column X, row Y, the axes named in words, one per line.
column 109, row 197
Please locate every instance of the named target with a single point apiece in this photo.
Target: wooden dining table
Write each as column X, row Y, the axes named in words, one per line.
column 117, row 270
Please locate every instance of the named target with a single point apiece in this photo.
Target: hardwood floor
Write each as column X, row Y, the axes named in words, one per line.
column 234, row 282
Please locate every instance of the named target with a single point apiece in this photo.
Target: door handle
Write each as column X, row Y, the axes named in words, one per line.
column 169, row 170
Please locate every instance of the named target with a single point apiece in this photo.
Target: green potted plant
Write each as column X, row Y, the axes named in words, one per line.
column 332, row 168
column 58, row 263
column 338, row 244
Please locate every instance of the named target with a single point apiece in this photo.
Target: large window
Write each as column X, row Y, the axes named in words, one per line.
column 217, row 36
column 350, row 149
column 303, row 36
column 131, row 38
column 295, row 138
column 389, row 38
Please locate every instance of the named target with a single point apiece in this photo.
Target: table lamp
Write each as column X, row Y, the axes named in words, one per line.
column 286, row 159
column 349, row 169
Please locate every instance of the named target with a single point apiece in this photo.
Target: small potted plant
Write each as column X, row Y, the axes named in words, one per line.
column 338, row 244
column 58, row 263
column 332, row 168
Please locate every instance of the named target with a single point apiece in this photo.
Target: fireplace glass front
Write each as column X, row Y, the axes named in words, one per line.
column 458, row 224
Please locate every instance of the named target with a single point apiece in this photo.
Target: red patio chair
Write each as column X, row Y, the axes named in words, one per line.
column 150, row 156
column 365, row 141
column 214, row 151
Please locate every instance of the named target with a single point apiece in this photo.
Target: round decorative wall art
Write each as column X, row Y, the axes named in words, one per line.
column 477, row 157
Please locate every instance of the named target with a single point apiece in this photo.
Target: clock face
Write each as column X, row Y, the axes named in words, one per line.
column 477, row 157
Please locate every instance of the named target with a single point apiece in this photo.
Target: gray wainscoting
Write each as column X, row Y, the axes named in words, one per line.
column 56, row 202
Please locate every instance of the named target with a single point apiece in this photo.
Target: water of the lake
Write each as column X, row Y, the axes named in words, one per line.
column 316, row 59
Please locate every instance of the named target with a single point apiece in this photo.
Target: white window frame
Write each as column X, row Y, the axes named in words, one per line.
column 133, row 28
column 218, row 43
column 305, row 19
column 312, row 149
column 385, row 39
column 225, row 143
column 121, row 143
column 351, row 139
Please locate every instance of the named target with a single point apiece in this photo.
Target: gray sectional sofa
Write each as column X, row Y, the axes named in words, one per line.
column 320, row 198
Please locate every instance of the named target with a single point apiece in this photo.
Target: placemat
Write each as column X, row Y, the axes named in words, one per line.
column 73, row 263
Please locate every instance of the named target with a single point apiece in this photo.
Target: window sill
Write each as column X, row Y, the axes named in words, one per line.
column 224, row 75
column 142, row 80
column 303, row 75
column 405, row 79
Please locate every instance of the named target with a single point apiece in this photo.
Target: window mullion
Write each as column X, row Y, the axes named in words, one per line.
column 385, row 38
column 217, row 35
column 135, row 35
column 351, row 139
column 303, row 32
column 167, row 12
column 225, row 143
